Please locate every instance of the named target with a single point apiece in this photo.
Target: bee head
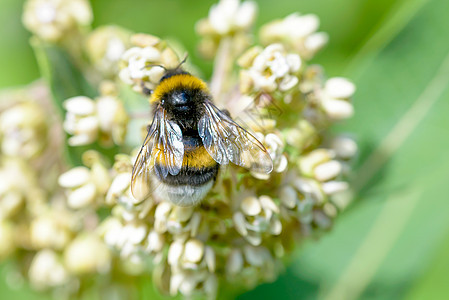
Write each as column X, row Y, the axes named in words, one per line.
column 180, row 93
column 179, row 100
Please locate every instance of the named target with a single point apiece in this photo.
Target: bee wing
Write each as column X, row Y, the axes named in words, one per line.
column 227, row 142
column 162, row 152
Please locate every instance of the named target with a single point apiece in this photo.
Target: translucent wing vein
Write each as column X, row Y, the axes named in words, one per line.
column 227, row 142
column 162, row 153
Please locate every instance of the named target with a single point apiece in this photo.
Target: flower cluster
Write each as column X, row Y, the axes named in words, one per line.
column 55, row 246
column 53, row 20
column 86, row 187
column 142, row 65
column 270, row 69
column 228, row 19
column 105, row 46
column 75, row 221
column 103, row 119
column 297, row 32
column 23, row 130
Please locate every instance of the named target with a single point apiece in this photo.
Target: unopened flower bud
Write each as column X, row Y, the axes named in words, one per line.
column 87, row 255
column 46, row 270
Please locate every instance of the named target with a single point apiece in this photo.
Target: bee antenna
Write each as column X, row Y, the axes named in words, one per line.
column 183, row 61
column 154, row 65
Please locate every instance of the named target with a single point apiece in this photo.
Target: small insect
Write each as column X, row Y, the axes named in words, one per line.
column 187, row 142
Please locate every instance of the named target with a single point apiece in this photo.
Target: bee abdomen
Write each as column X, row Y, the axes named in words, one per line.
column 192, row 176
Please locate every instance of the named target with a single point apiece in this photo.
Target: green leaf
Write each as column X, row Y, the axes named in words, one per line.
column 66, row 80
column 16, row 56
column 433, row 283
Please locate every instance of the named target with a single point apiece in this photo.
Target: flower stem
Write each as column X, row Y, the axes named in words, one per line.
column 223, row 65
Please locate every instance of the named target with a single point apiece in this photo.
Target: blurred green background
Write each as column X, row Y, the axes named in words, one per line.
column 393, row 241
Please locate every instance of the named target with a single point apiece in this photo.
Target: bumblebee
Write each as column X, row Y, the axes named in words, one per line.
column 187, row 141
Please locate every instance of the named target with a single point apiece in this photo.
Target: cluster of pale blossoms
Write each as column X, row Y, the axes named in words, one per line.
column 103, row 119
column 142, row 65
column 249, row 221
column 55, row 247
column 54, row 20
column 228, row 19
column 74, row 225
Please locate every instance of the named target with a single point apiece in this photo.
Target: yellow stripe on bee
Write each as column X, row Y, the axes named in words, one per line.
column 180, row 81
column 197, row 158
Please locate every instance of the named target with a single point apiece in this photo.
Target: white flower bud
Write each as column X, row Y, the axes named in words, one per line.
column 273, row 68
column 289, row 196
column 81, row 188
column 119, row 186
column 308, row 162
column 268, row 204
column 80, row 106
column 82, row 197
column 255, row 256
column 155, row 74
column 234, row 263
column 327, row 170
column 302, row 26
column 344, row 147
column 80, row 120
column 333, row 187
column 254, row 238
column 87, row 126
column 251, row 206
column 161, row 216
column 240, row 223
column 189, row 283
column 209, row 257
column 156, row 242
column 339, row 88
column 310, row 188
column 193, row 251
column 275, row 226
column 111, row 229
column 46, row 270
column 107, row 107
column 181, row 214
column 135, row 233
column 330, row 210
column 337, row 109
column 314, row 42
column 175, row 282
column 288, row 82
column 87, row 255
column 174, row 252
column 297, row 33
